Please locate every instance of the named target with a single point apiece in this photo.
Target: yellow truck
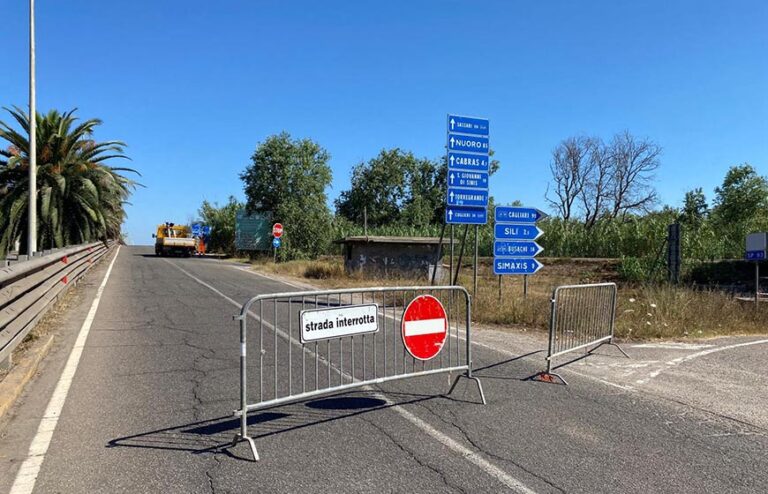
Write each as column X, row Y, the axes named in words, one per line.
column 172, row 239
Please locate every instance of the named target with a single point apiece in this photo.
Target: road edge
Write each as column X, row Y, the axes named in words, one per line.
column 14, row 383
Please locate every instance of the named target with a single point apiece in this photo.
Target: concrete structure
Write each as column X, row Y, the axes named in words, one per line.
column 392, row 256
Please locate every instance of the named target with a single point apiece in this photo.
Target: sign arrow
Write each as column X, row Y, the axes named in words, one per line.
column 519, row 248
column 451, row 196
column 452, row 177
column 516, row 265
column 452, row 141
column 510, row 214
column 452, row 160
column 453, row 122
column 458, row 215
column 517, row 232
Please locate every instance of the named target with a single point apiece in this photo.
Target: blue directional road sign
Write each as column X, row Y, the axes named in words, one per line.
column 196, row 229
column 458, row 196
column 468, row 143
column 510, row 214
column 206, row 230
column 457, row 215
column 276, row 242
column 755, row 255
column 468, row 125
column 461, row 178
column 517, row 232
column 474, row 162
column 467, row 196
column 516, row 265
column 516, row 248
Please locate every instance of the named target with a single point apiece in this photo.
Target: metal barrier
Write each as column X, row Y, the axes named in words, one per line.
column 290, row 366
column 582, row 316
column 29, row 288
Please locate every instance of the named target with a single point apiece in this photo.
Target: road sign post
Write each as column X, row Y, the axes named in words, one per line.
column 468, row 145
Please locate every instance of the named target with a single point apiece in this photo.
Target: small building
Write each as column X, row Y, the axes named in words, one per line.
column 392, row 256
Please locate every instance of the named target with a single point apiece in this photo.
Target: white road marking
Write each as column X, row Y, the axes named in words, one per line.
column 587, row 376
column 30, row 469
column 674, row 346
column 473, row 457
column 688, row 358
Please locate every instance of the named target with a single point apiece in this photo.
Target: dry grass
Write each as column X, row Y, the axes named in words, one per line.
column 644, row 312
column 670, row 312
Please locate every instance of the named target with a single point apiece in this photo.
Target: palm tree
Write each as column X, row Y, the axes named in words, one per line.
column 80, row 197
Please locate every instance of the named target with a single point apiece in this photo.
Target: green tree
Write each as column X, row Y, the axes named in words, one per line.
column 740, row 207
column 695, row 208
column 398, row 189
column 221, row 219
column 743, row 196
column 288, row 178
column 380, row 186
column 80, row 197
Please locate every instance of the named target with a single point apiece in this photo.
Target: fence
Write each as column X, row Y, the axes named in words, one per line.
column 29, row 288
column 582, row 316
column 290, row 366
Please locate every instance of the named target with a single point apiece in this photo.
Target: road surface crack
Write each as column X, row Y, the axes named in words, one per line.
column 478, row 447
column 415, row 458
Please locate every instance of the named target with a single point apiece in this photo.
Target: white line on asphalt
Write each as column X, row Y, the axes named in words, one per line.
column 688, row 358
column 587, row 376
column 30, row 469
column 673, row 346
column 466, row 453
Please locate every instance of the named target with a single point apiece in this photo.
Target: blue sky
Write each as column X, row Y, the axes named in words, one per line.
column 194, row 86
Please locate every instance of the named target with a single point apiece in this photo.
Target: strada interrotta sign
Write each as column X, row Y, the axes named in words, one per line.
column 277, row 230
column 325, row 324
column 425, row 327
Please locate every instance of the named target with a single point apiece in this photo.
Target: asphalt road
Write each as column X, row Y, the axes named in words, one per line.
column 150, row 410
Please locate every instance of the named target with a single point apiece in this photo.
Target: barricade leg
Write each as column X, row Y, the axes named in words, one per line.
column 471, row 378
column 620, row 349
column 243, row 434
column 548, row 376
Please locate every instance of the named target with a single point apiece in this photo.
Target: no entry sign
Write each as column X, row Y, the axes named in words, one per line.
column 425, row 327
column 277, row 230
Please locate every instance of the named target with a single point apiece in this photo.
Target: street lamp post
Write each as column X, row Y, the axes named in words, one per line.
column 32, row 227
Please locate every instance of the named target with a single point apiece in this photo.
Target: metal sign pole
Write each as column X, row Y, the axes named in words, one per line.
column 499, row 288
column 474, row 275
column 757, row 284
column 461, row 254
column 525, row 286
column 438, row 260
column 450, row 273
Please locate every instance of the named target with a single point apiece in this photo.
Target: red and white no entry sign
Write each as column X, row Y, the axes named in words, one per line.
column 277, row 230
column 425, row 327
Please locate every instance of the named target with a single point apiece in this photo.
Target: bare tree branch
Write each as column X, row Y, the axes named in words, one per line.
column 633, row 163
column 569, row 167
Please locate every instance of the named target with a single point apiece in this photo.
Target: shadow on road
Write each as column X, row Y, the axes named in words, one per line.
column 215, row 435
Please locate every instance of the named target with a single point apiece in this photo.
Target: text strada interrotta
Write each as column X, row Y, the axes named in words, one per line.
column 325, row 324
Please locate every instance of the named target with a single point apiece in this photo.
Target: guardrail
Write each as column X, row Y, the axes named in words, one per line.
column 314, row 343
column 29, row 288
column 582, row 316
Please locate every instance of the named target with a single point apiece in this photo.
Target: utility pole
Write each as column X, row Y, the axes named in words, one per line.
column 32, row 213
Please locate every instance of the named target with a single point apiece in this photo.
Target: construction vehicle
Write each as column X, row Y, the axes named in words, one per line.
column 172, row 239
